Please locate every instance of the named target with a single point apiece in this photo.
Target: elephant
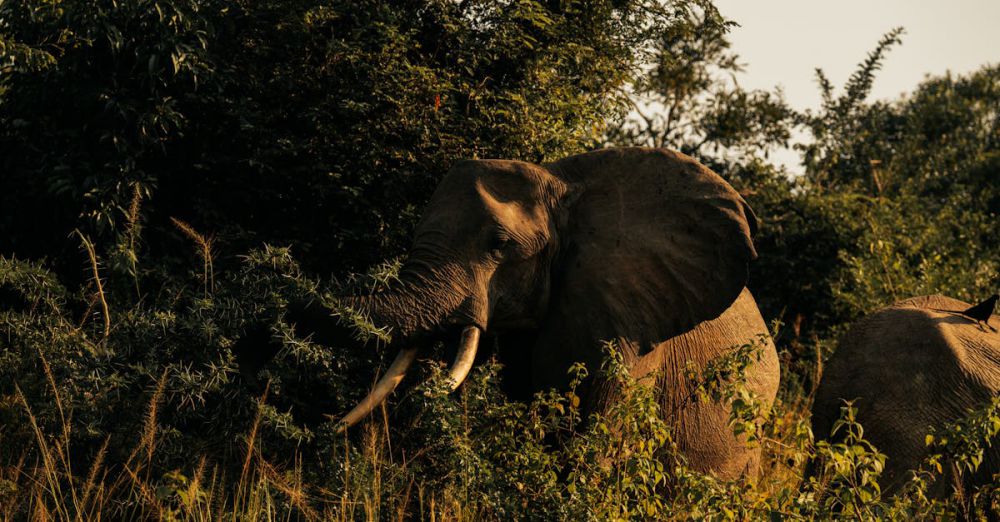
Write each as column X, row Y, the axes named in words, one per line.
column 911, row 367
column 645, row 247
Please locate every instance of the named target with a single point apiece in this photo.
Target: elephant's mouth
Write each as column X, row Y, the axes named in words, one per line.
column 457, row 372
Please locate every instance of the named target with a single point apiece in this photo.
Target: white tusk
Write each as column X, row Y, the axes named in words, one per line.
column 465, row 357
column 385, row 385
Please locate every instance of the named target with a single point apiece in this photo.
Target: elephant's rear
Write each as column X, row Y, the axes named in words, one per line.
column 910, row 367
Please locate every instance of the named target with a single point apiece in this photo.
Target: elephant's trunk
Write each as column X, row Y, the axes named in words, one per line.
column 414, row 304
column 397, row 310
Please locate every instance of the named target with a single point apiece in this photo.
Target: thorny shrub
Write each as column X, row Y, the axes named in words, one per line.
column 155, row 418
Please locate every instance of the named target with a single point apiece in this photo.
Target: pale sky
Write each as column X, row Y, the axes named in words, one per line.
column 781, row 42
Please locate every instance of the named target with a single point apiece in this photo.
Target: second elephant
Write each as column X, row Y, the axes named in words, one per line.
column 911, row 367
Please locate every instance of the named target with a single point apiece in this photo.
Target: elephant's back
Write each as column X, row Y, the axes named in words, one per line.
column 702, row 428
column 908, row 367
column 976, row 349
column 927, row 334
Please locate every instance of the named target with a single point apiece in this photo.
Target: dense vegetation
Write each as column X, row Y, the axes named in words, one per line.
column 174, row 172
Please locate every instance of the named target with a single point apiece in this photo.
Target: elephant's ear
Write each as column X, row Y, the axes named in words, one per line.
column 657, row 243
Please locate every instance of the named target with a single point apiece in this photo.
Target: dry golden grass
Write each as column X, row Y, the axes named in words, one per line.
column 99, row 296
column 204, row 248
column 48, row 488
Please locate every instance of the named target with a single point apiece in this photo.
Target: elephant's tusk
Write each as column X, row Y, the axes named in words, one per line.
column 388, row 382
column 465, row 357
column 397, row 370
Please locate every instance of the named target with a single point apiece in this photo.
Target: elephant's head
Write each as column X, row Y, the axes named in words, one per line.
column 637, row 244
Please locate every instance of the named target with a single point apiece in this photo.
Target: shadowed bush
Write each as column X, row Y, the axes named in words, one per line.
column 156, row 420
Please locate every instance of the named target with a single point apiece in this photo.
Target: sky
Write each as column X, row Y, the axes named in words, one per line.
column 782, row 42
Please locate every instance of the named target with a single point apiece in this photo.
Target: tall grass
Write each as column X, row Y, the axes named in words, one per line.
column 604, row 477
column 42, row 484
column 204, row 248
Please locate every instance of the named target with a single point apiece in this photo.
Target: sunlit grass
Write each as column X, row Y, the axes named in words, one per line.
column 378, row 480
column 43, row 485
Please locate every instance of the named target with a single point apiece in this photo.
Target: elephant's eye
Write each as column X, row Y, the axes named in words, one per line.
column 498, row 245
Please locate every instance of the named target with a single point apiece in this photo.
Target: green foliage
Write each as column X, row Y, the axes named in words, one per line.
column 156, row 406
column 688, row 99
column 914, row 170
column 850, row 469
column 830, row 158
column 163, row 138
column 617, row 466
column 724, row 380
column 319, row 125
column 964, row 440
column 959, row 446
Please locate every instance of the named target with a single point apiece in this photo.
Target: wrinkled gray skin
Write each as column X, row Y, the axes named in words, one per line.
column 911, row 367
column 643, row 246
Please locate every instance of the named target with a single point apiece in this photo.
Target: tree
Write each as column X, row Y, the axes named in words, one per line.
column 689, row 99
column 320, row 125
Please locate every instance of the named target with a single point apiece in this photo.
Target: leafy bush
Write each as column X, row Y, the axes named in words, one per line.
column 141, row 422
